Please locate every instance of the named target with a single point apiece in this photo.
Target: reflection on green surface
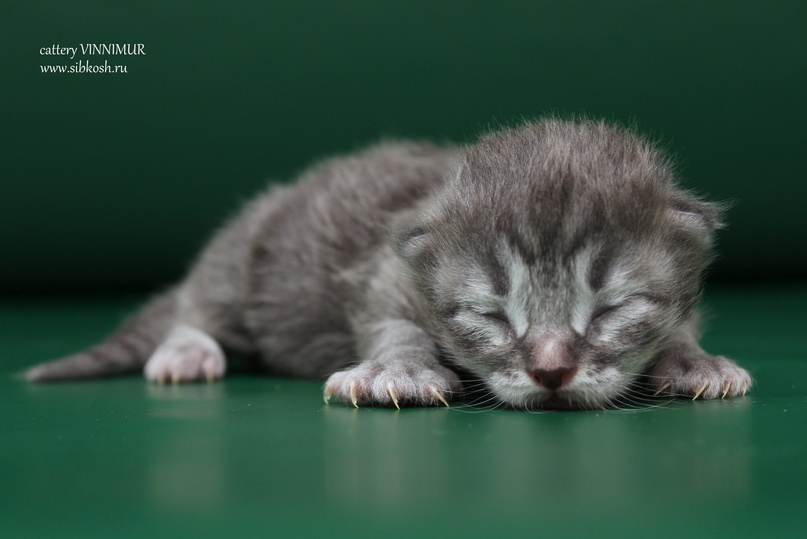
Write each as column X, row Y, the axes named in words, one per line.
column 255, row 456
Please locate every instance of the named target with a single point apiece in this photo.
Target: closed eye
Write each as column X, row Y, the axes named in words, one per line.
column 634, row 300
column 603, row 311
column 497, row 316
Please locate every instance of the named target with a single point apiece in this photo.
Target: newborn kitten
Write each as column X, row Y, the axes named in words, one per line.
column 556, row 262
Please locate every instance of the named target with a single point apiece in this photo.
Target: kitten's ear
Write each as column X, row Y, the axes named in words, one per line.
column 412, row 239
column 412, row 242
column 695, row 217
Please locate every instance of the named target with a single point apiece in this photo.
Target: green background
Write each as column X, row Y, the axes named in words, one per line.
column 110, row 184
column 113, row 182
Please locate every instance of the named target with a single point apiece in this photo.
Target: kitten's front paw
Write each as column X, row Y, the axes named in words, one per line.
column 187, row 354
column 393, row 383
column 698, row 375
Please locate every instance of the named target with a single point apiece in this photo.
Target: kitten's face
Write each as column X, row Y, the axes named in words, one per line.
column 570, row 331
column 557, row 261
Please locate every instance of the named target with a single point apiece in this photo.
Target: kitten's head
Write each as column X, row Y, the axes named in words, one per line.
column 557, row 259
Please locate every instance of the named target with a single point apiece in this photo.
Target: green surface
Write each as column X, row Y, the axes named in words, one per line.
column 118, row 179
column 255, row 456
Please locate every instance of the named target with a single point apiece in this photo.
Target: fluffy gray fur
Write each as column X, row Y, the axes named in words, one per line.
column 557, row 264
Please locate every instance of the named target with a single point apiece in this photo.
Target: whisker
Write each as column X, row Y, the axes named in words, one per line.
column 645, row 393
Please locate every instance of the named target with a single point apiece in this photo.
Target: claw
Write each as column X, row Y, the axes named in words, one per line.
column 701, row 390
column 391, row 392
column 353, row 398
column 210, row 377
column 160, row 379
column 662, row 389
column 326, row 395
column 726, row 392
column 745, row 389
column 175, row 378
column 439, row 397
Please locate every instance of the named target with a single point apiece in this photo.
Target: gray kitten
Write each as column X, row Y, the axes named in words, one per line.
column 556, row 263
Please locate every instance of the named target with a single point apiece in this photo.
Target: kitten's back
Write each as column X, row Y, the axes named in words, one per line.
column 330, row 222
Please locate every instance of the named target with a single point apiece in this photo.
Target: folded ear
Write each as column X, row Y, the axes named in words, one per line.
column 696, row 218
column 411, row 242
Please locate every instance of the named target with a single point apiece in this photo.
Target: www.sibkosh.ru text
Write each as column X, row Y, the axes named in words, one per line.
column 84, row 66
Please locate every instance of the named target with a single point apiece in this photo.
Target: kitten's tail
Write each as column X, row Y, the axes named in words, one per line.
column 125, row 351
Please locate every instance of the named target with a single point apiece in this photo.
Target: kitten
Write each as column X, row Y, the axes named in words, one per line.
column 557, row 263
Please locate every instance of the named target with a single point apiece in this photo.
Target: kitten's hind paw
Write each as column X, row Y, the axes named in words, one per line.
column 699, row 376
column 393, row 383
column 187, row 354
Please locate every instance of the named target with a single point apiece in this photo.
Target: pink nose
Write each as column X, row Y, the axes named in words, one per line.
column 555, row 378
column 552, row 363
